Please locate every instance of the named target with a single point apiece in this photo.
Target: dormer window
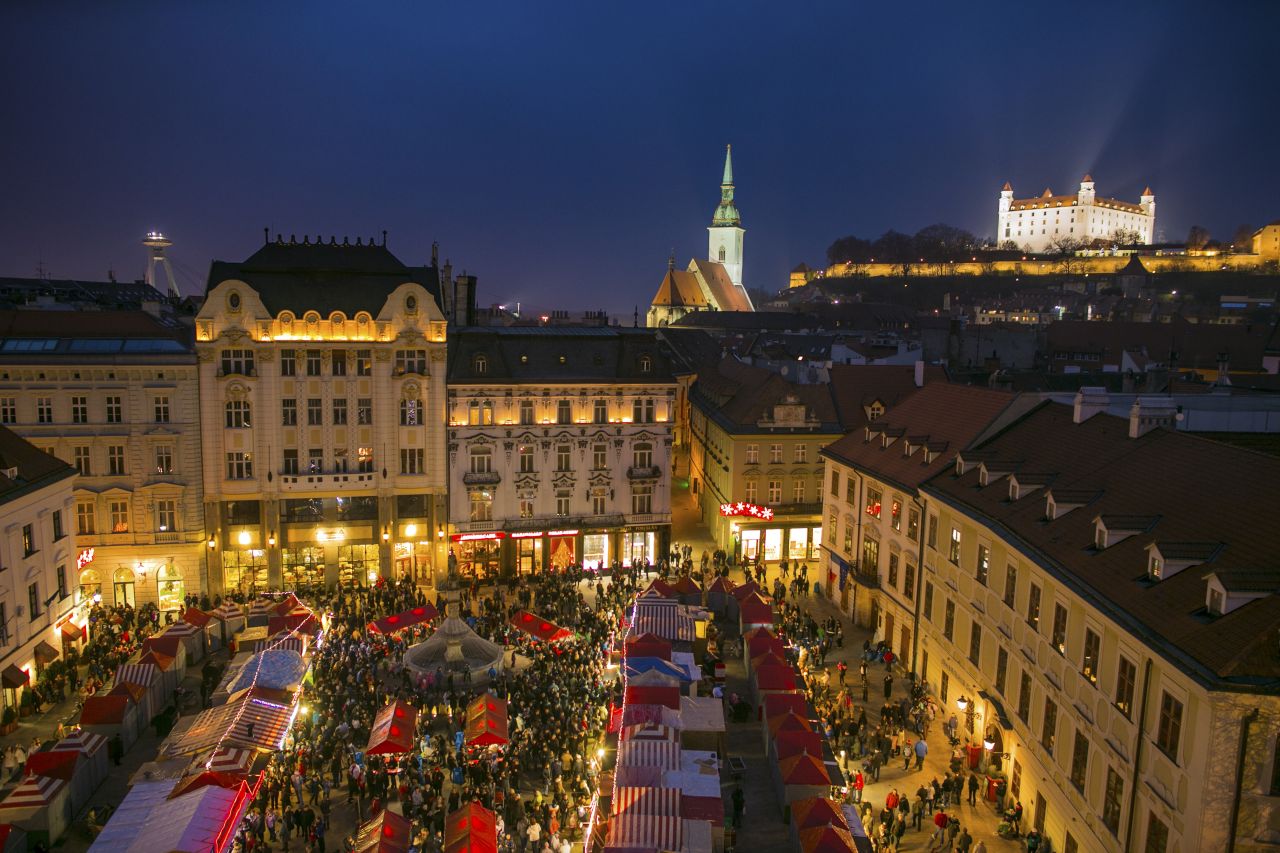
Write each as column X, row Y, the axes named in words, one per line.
column 875, row 411
column 646, row 364
column 1050, row 509
column 1100, row 536
column 1214, row 602
column 1155, row 567
column 480, row 364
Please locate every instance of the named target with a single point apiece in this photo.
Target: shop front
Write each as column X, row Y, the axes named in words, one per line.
column 639, row 547
column 302, row 568
column 595, row 550
column 527, row 546
column 797, row 543
column 244, row 570
column 414, row 560
column 477, row 554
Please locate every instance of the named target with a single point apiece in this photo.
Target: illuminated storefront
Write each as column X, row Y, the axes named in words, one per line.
column 244, row 570
column 639, row 546
column 528, row 548
column 478, row 554
column 358, row 565
column 302, row 568
column 123, row 587
column 171, row 590
column 762, row 535
column 414, row 560
column 595, row 551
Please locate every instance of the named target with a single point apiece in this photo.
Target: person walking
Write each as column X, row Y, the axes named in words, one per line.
column 888, row 686
column 940, row 821
column 921, row 750
column 973, row 789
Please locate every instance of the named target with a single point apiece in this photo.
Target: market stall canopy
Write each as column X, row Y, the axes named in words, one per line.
column 182, row 630
column 166, row 644
column 788, row 722
column 289, row 604
column 205, row 778
column 143, row 674
column 471, row 829
column 744, row 591
column 227, row 610
column 780, row 703
column 249, row 723
column 487, row 722
column 71, row 631
column 34, row 792
column 386, row 833
column 14, row 677
column 664, row 618
column 59, row 764
column 668, row 696
column 686, row 586
column 646, row 800
column 394, row 729
column 827, row 839
column 722, row 584
column 539, row 628
column 646, row 832
column 702, row 713
column 817, row 811
column 774, row 678
column 279, row 669
column 302, row 623
column 755, row 610
column 648, row 645
column 136, row 692
column 638, row 665
column 792, row 742
column 105, row 710
column 632, row 714
column 660, row 588
column 803, row 769
column 196, row 616
column 407, row 619
column 201, row 820
column 285, row 641
column 769, row 658
column 159, row 660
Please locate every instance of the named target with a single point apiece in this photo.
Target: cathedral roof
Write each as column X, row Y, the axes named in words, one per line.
column 679, row 288
column 725, row 295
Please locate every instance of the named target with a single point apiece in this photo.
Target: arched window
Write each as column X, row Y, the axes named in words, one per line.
column 171, row 588
column 90, row 585
column 481, row 364
column 237, row 414
column 123, row 587
column 722, row 254
column 646, row 364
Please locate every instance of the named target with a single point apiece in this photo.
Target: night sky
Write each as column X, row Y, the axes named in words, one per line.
column 560, row 151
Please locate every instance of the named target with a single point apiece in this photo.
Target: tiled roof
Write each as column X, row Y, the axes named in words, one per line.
column 1186, row 488
column 600, row 354
column 34, row 468
column 726, row 295
column 679, row 289
column 1196, row 344
column 1248, row 579
column 938, row 412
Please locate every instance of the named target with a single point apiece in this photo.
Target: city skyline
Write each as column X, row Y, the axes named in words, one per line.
column 549, row 157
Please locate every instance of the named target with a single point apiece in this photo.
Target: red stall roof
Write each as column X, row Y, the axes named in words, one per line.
column 827, row 839
column 769, row 658
column 386, row 833
column 788, row 722
column 58, row 765
column 304, row 623
column 487, row 721
column 653, row 695
column 721, row 584
column 407, row 619
column 649, row 646
column 774, row 678
column 742, row 591
column 472, row 829
column 791, row 742
column 539, row 628
column 803, row 770
column 755, row 610
column 163, row 644
column 817, row 811
column 104, row 710
column 197, row 617
column 686, row 586
column 393, row 729
column 780, row 703
column 661, row 588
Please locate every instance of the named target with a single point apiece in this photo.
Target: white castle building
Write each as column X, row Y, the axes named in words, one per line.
column 1034, row 223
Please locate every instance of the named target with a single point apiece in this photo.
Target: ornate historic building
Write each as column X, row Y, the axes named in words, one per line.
column 1035, row 223
column 559, row 447
column 322, row 385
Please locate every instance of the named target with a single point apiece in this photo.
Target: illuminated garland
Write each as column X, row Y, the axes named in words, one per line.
column 595, row 799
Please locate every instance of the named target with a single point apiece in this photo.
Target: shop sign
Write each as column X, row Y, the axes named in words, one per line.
column 84, row 558
column 477, row 537
column 527, row 534
column 753, row 510
column 562, row 533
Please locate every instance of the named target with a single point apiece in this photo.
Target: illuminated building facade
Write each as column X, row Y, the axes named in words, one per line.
column 559, row 447
column 114, row 394
column 322, row 410
column 1035, row 223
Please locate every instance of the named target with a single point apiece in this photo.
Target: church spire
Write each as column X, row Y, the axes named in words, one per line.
column 728, row 166
column 726, row 212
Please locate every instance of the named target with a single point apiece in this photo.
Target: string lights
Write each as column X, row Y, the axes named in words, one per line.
column 622, row 716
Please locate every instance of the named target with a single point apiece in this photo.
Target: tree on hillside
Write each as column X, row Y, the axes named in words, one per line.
column 849, row 249
column 1197, row 237
column 1065, row 248
column 1125, row 237
column 942, row 242
column 893, row 247
column 1243, row 239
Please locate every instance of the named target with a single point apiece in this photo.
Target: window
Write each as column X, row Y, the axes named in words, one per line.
column 115, row 410
column 481, row 460
column 932, row 535
column 1214, row 604
column 1049, row 725
column 44, row 410
column 913, row 524
column 984, row 564
column 1092, row 656
column 481, row 505
column 849, row 489
column 949, row 620
column 79, row 410
column 364, row 362
column 835, row 475
column 1059, row 636
column 642, row 499
column 239, row 465
column 410, row 412
column 288, row 362
column 1033, row 607
column 315, row 411
column 893, row 570
column 597, row 504
column 119, row 511
column 1024, row 697
column 909, row 582
column 797, row 491
column 873, row 503
column 81, row 460
column 411, row 459
column 1080, row 761
column 975, row 643
column 480, row 413
column 236, row 361
column 290, row 464
column 525, row 457
column 115, row 460
column 364, row 460
column 85, row 519
column 944, row 686
column 28, row 540
column 753, row 458
column 1157, row 835
column 749, row 491
column 1126, row 678
column 338, row 362
column 364, row 411
column 646, row 364
column 642, row 411
column 1002, row 669
column 642, row 456
column 564, row 412
column 775, row 454
column 33, row 601
column 236, row 414
column 599, row 456
column 166, row 515
column 526, row 412
column 1010, row 584
column 802, row 453
column 1015, row 779
column 161, row 406
column 315, row 461
column 526, row 507
column 562, row 503
column 953, row 552
column 564, row 454
column 1169, row 731
column 289, row 412
column 1112, row 797
column 8, row 410
column 56, row 523
column 928, row 600
column 413, row 361
column 481, row 365
column 62, row 581
column 340, row 411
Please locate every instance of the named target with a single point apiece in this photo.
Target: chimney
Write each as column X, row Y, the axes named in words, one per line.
column 1148, row 413
column 1089, row 402
column 919, row 374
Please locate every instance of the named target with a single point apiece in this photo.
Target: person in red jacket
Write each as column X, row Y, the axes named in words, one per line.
column 940, row 820
column 891, row 801
column 858, row 784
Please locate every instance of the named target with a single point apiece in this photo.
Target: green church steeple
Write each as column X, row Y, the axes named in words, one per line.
column 727, row 212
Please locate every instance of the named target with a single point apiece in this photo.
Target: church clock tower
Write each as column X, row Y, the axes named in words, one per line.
column 724, row 237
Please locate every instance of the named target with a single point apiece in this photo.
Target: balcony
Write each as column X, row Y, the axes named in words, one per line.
column 168, row 537
column 481, row 478
column 644, row 472
column 322, row 482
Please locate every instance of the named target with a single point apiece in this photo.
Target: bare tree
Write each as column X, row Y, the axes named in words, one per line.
column 1197, row 237
column 1125, row 237
column 1243, row 239
column 1065, row 248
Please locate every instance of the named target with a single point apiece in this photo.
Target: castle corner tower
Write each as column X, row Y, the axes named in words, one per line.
column 724, row 237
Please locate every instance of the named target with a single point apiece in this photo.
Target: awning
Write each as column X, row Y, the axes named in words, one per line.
column 250, row 723
column 46, row 652
column 13, row 677
column 803, row 769
column 105, row 710
column 647, row 832
column 487, row 721
column 407, row 619
column 472, row 829
column 59, row 765
column 394, row 730
column 386, row 833
column 539, row 628
column 817, row 811
column 197, row 617
column 72, row 631
column 165, row 644
column 646, row 800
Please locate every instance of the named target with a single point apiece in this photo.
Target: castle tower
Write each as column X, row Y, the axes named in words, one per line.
column 1086, row 194
column 724, row 237
column 1148, row 203
column 1006, row 197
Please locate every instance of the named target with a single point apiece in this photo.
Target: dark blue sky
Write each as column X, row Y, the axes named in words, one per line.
column 559, row 151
